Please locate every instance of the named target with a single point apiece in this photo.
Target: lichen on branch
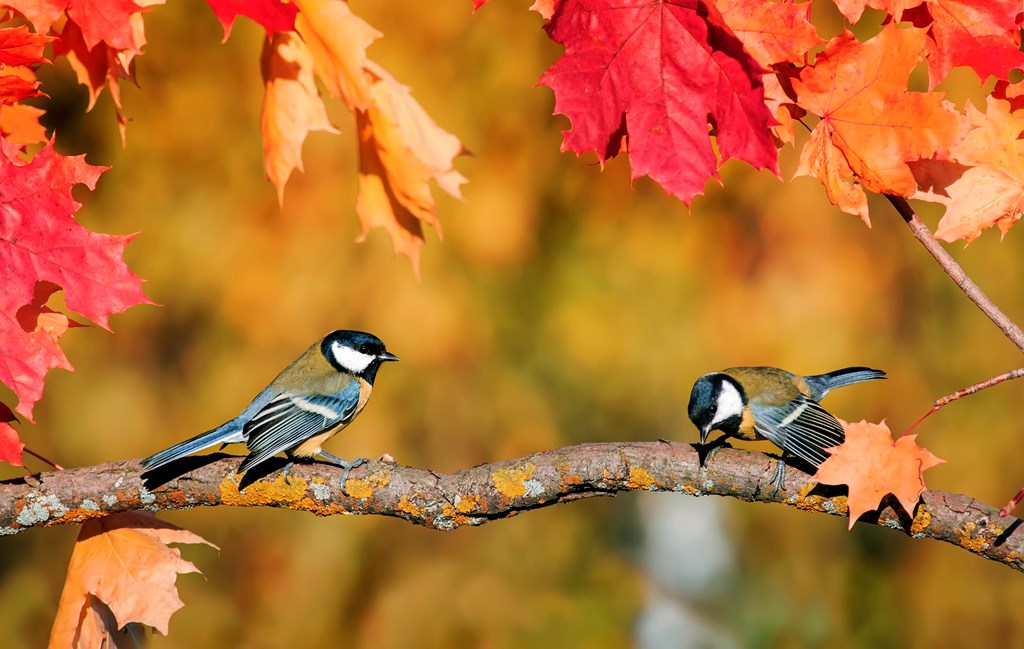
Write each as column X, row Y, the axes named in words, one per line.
column 488, row 492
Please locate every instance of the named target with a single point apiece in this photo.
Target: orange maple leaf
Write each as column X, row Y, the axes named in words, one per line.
column 103, row 64
column 991, row 191
column 19, row 124
column 871, row 126
column 292, row 107
column 400, row 150
column 773, row 32
column 122, row 562
column 337, row 39
column 873, row 466
column 853, row 9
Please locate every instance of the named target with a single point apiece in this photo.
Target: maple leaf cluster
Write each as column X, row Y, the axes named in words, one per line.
column 684, row 85
column 42, row 248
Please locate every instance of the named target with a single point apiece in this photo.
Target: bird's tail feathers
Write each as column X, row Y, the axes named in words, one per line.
column 822, row 383
column 223, row 434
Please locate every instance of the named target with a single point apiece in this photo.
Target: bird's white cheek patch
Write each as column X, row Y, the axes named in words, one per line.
column 730, row 403
column 352, row 360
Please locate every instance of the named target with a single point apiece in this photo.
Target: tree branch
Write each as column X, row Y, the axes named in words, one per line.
column 923, row 234
column 445, row 501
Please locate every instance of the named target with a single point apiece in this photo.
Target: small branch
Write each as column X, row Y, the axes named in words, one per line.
column 959, row 394
column 489, row 492
column 953, row 269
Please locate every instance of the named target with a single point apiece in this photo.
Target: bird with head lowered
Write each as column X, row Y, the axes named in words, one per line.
column 766, row 403
column 312, row 399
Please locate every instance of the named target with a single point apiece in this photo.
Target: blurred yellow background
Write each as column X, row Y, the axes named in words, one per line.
column 563, row 305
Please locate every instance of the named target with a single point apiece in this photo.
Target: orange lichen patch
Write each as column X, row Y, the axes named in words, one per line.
column 262, row 492
column 805, row 501
column 921, row 521
column 78, row 515
column 568, row 478
column 318, row 507
column 640, row 478
column 467, row 504
column 358, row 488
column 572, row 479
column 406, row 505
column 509, row 482
column 380, row 479
column 969, row 541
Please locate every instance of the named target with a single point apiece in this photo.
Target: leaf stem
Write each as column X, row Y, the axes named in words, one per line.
column 923, row 234
column 959, row 394
column 40, row 457
column 1010, row 506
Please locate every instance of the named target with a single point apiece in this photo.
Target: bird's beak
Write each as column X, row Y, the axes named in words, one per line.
column 704, row 435
column 388, row 356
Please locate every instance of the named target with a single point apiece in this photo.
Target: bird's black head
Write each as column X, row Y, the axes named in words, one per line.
column 716, row 403
column 355, row 352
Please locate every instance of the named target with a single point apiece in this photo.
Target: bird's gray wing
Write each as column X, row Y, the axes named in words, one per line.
column 801, row 427
column 290, row 419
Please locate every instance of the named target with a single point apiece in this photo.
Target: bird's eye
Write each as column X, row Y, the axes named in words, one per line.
column 364, row 349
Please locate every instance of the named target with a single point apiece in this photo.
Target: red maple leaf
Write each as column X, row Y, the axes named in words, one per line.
column 14, row 87
column 656, row 77
column 981, row 35
column 273, row 15
column 10, row 444
column 19, row 46
column 40, row 242
column 106, row 21
column 874, row 466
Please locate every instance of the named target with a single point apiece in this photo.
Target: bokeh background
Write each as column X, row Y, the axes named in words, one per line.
column 563, row 305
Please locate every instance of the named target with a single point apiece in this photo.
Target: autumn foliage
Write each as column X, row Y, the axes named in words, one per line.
column 679, row 88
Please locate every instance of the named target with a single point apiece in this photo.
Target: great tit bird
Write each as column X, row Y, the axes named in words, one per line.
column 758, row 403
column 319, row 394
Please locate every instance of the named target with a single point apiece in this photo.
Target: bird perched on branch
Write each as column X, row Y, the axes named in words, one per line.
column 766, row 403
column 317, row 395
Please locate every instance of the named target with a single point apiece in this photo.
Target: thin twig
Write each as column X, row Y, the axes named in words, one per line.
column 959, row 394
column 953, row 269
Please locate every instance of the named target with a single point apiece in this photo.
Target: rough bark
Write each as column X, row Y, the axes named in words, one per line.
column 474, row 496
